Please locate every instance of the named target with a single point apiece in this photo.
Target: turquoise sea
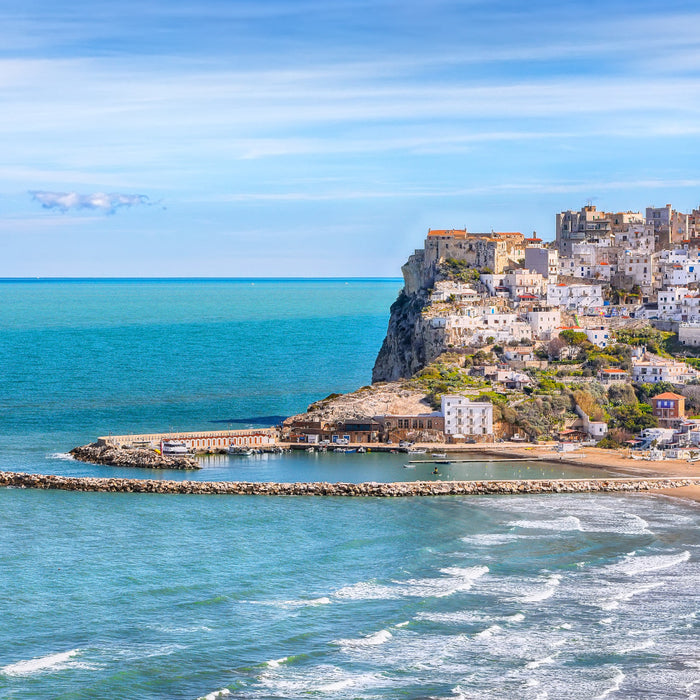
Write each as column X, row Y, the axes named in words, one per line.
column 149, row 596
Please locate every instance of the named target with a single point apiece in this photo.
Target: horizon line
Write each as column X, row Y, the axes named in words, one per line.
column 198, row 279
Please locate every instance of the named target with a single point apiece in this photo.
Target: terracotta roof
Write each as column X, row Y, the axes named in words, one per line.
column 667, row 395
column 614, row 370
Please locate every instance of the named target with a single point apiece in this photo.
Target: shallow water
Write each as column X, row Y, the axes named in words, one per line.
column 159, row 596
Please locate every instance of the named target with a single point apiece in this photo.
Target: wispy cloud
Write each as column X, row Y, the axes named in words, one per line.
column 99, row 201
column 507, row 188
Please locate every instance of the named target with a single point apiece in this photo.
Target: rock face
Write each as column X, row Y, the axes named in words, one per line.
column 368, row 489
column 413, row 340
column 366, row 402
column 118, row 457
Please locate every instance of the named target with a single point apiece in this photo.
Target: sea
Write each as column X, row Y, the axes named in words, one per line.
column 169, row 596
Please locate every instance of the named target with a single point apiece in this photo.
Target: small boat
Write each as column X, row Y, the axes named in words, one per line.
column 173, row 448
column 361, row 450
column 239, row 451
column 310, row 450
column 409, row 466
column 417, row 452
column 439, row 454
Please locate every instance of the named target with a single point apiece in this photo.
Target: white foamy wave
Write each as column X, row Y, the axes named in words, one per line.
column 616, row 683
column 633, row 565
column 518, row 617
column 488, row 539
column 370, row 640
column 547, row 660
column 65, row 456
column 456, row 579
column 403, row 624
column 547, row 591
column 275, row 663
column 647, row 644
column 44, row 664
column 367, row 591
column 216, row 695
column 489, row 632
column 565, row 524
column 302, row 603
column 620, row 523
column 323, row 680
column 622, row 594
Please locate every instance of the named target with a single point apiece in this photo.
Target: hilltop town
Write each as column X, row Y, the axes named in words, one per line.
column 500, row 336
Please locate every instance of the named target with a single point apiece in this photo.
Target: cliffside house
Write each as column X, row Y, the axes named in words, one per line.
column 669, row 408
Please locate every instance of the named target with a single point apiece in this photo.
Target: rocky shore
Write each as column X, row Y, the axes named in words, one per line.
column 368, row 489
column 119, row 457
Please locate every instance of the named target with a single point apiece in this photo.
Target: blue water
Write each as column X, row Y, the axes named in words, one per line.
column 147, row 596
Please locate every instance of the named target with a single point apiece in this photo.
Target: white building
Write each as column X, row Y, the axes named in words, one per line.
column 600, row 336
column 543, row 321
column 689, row 333
column 524, row 282
column 466, row 417
column 543, row 260
column 575, row 297
column 652, row 369
column 670, row 302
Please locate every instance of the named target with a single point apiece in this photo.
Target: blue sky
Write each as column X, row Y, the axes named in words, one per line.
column 311, row 138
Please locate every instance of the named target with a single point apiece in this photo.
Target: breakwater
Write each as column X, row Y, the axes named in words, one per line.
column 367, row 489
column 121, row 457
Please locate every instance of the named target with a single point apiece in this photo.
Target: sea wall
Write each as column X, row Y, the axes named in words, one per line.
column 368, row 489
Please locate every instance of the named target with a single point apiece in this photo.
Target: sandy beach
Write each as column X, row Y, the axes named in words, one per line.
column 618, row 463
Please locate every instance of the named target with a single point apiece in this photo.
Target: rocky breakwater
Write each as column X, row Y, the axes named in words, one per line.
column 119, row 457
column 367, row 489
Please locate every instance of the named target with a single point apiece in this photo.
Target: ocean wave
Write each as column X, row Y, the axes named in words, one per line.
column 65, row 456
column 216, row 695
column 370, row 640
column 565, row 524
column 324, row 680
column 646, row 644
column 546, row 661
column 616, row 684
column 632, row 565
column 43, row 664
column 489, row 632
column 547, row 591
column 299, row 603
column 614, row 595
column 275, row 663
column 490, row 539
column 456, row 579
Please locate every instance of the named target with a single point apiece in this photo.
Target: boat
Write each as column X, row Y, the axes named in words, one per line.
column 409, row 466
column 239, row 451
column 439, row 454
column 417, row 452
column 174, row 448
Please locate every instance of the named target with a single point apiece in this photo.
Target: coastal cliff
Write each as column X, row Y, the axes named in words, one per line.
column 412, row 340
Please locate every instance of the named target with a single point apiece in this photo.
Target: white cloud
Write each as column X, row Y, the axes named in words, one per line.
column 99, row 201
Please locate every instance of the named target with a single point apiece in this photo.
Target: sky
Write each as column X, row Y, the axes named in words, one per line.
column 311, row 138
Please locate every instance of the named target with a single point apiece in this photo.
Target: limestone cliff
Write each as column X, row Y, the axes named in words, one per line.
column 412, row 340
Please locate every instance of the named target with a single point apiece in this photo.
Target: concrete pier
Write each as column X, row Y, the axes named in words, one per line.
column 367, row 489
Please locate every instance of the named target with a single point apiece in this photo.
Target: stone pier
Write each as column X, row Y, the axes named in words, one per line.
column 368, row 489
